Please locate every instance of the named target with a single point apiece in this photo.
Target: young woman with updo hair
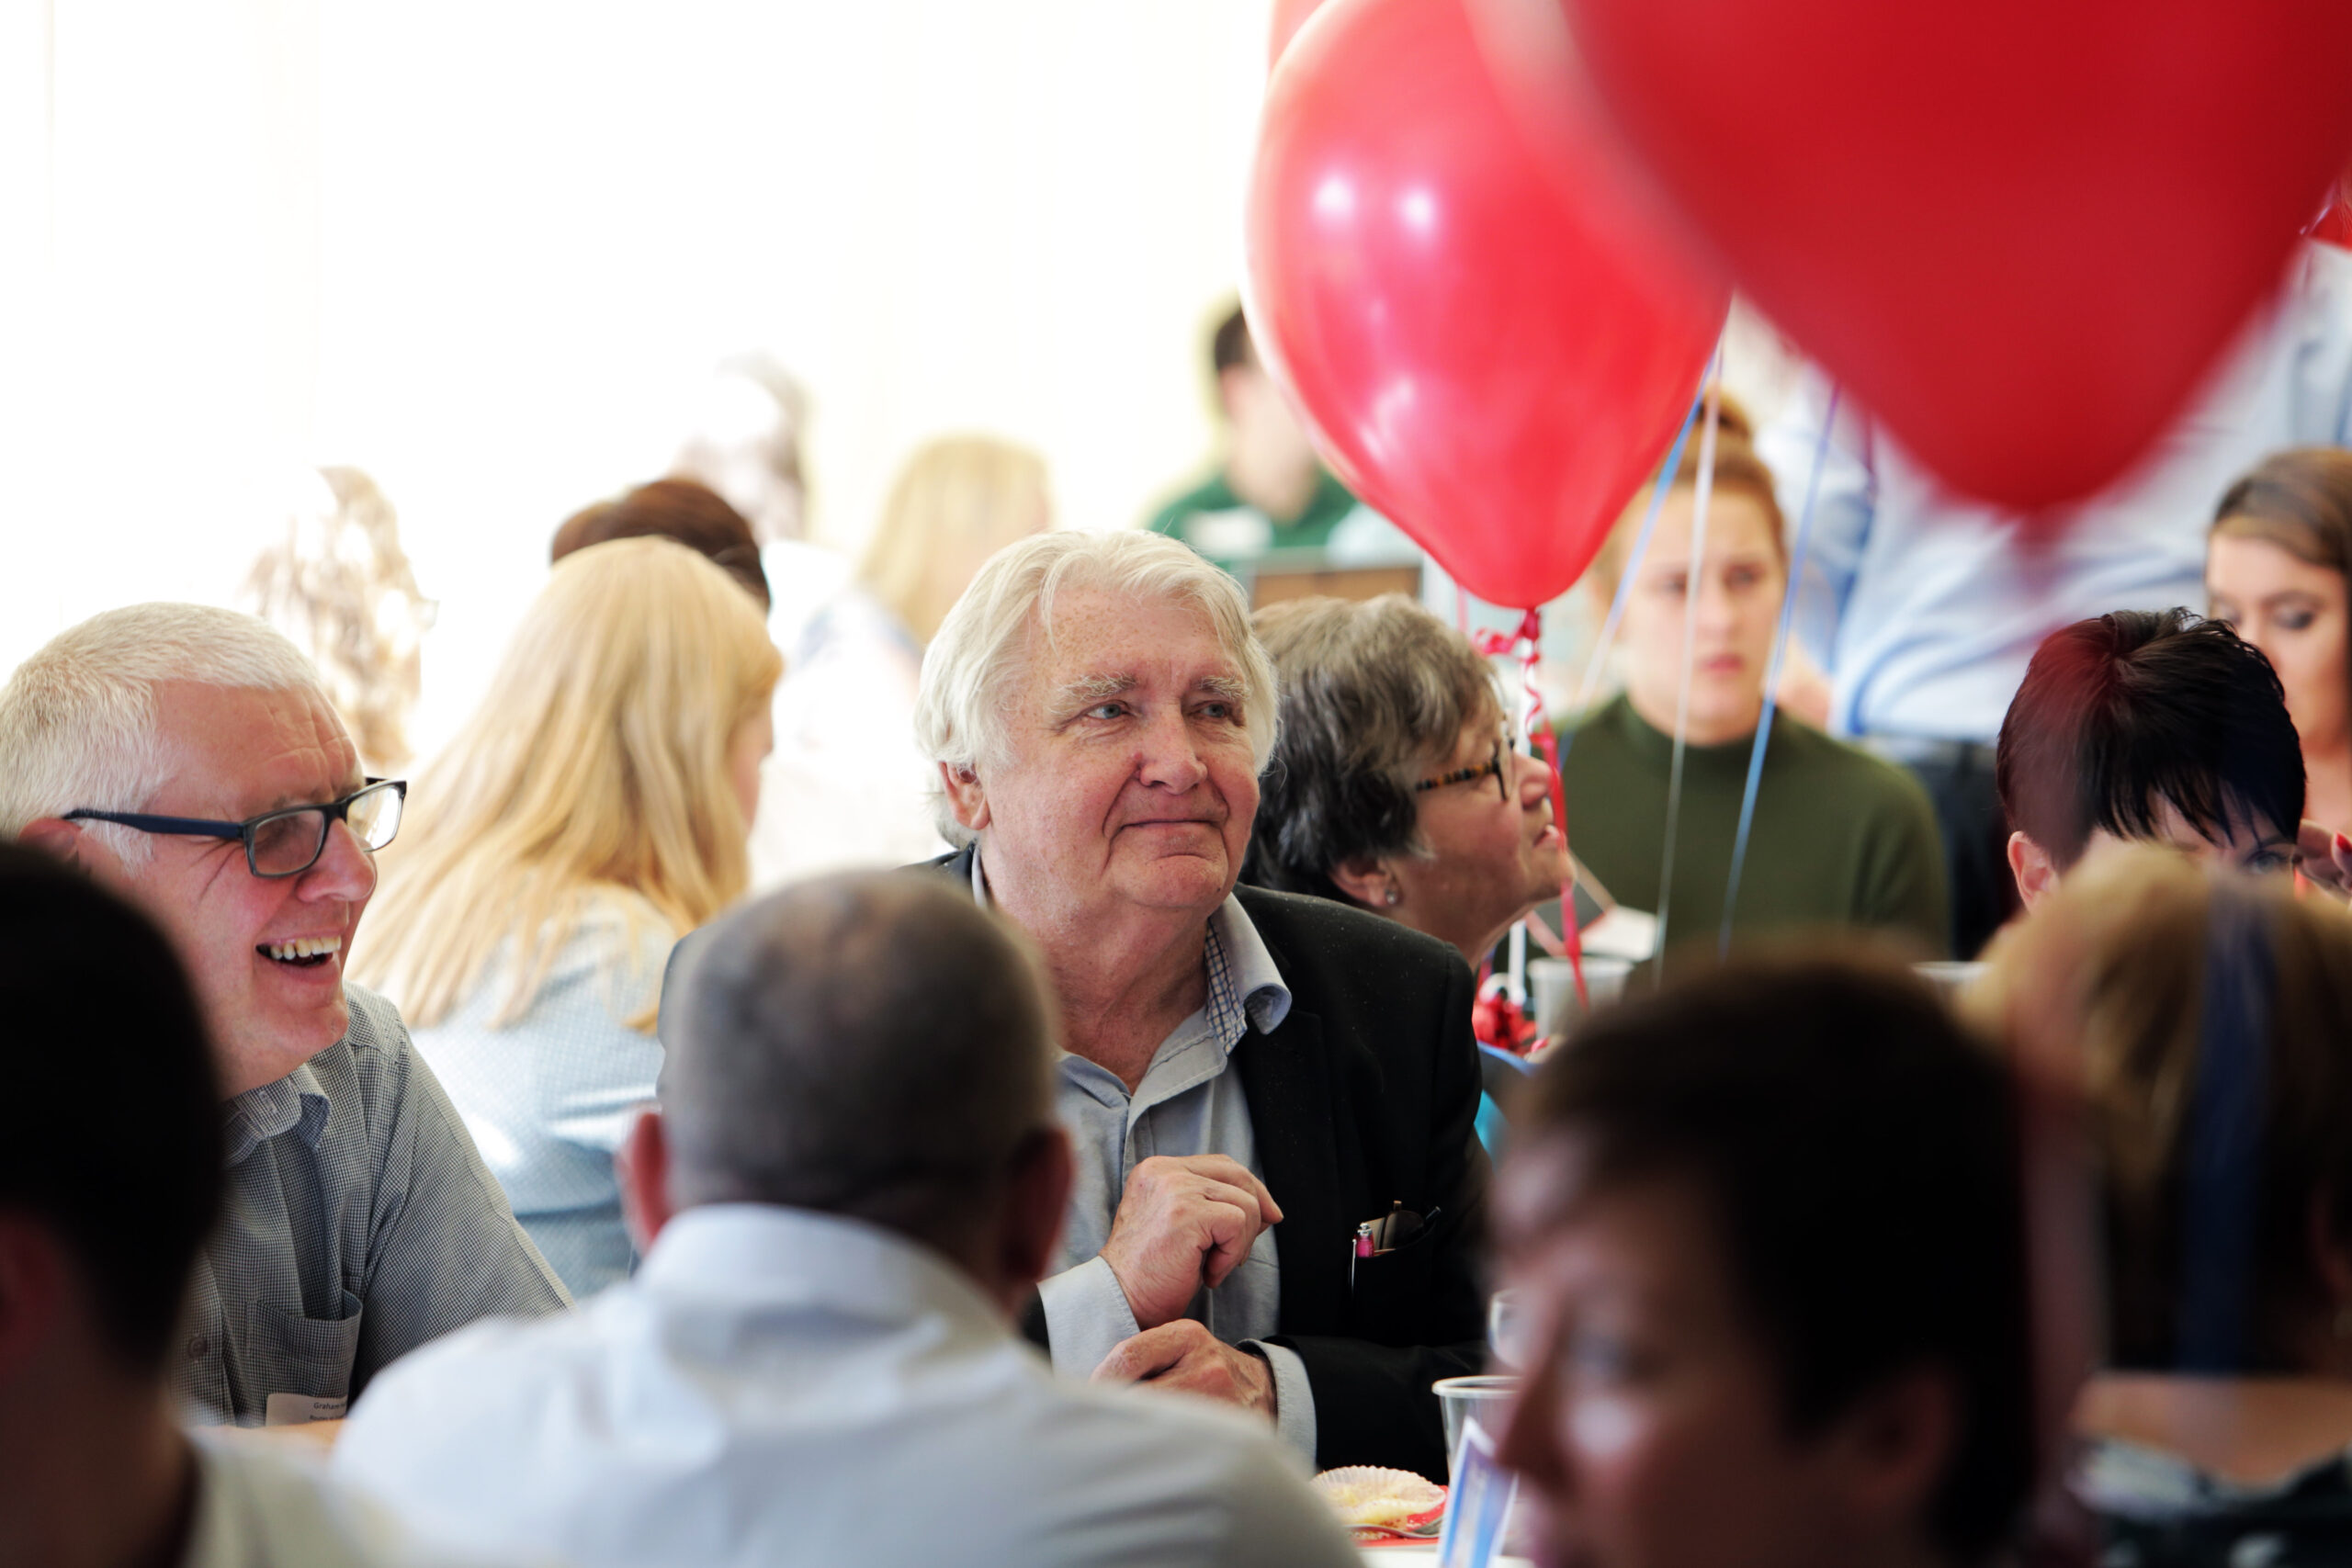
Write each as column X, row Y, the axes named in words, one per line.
column 2275, row 568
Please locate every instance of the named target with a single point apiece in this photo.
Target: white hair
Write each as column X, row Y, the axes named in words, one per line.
column 78, row 719
column 965, row 703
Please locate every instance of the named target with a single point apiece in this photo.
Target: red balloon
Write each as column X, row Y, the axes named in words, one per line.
column 1950, row 206
column 1493, row 361
column 1289, row 16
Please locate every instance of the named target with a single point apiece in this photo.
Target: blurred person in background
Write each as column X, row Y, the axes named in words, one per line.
column 593, row 808
column 1393, row 786
column 2161, row 727
column 2209, row 1017
column 1269, row 492
column 1763, row 1241
column 2275, row 572
column 101, row 1221
column 186, row 758
column 745, row 426
column 1924, row 607
column 847, row 785
column 339, row 585
column 1839, row 838
column 691, row 514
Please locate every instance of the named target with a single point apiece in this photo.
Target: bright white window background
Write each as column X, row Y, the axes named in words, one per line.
column 483, row 250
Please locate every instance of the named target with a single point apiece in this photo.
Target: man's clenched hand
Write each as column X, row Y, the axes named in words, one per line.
column 1184, row 1222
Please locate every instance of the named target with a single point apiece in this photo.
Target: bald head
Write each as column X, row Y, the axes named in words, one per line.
column 871, row 1044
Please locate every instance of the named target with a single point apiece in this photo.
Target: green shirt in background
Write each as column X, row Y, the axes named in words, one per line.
column 1841, row 838
column 1231, row 532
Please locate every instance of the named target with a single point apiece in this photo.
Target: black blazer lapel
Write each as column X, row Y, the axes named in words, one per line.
column 1287, row 1077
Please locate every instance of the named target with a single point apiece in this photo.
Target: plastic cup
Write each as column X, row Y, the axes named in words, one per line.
column 1551, row 990
column 1459, row 1398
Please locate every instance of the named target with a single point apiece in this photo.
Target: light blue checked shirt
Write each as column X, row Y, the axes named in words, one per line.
column 1187, row 1104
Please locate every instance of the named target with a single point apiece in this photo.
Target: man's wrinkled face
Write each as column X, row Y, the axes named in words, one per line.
column 265, row 954
column 1131, row 779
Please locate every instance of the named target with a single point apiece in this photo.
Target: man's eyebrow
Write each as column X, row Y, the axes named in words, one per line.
column 1230, row 686
column 1084, row 691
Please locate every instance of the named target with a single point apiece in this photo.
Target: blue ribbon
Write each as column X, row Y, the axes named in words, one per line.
column 1773, row 673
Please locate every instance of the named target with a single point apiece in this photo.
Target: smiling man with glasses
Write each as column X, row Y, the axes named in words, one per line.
column 187, row 757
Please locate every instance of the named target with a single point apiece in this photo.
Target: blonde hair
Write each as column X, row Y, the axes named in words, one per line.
column 963, row 702
column 2115, row 962
column 80, row 720
column 596, row 765
column 955, row 494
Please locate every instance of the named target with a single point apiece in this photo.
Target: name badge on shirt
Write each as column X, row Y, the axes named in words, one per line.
column 301, row 1409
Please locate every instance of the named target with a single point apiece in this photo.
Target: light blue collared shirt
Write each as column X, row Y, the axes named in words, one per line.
column 1924, row 607
column 1186, row 1105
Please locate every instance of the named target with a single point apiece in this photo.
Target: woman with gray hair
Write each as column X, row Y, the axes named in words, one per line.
column 1099, row 713
column 1395, row 786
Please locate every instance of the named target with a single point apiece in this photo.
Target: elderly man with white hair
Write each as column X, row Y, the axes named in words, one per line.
column 187, row 757
column 1279, row 1190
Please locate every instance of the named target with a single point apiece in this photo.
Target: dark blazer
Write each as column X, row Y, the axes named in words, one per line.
column 1367, row 1094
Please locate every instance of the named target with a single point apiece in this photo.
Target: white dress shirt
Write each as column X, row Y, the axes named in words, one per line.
column 256, row 1509
column 1924, row 606
column 775, row 1387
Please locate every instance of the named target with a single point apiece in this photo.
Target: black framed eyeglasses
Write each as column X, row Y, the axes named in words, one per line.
column 1493, row 764
column 287, row 843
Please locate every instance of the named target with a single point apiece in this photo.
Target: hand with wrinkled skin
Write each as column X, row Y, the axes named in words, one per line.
column 1182, row 1223
column 1185, row 1356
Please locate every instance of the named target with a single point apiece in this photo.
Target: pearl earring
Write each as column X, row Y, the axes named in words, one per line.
column 1393, row 895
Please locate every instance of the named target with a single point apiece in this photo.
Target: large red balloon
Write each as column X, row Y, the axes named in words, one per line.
column 1950, row 206
column 1491, row 361
column 1289, row 16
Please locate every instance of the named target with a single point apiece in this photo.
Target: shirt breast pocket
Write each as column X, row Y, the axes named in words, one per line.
column 293, row 1354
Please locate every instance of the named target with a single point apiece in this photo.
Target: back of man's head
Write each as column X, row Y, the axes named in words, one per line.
column 117, row 1154
column 870, row 1045
column 2120, row 715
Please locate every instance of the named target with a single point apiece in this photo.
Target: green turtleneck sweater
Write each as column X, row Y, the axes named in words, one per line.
column 1840, row 839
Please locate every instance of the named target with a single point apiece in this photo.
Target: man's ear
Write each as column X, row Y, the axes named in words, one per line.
column 966, row 796
column 1894, row 1445
column 54, row 836
column 1365, row 880
column 2036, row 873
column 641, row 1166
column 32, row 1292
column 1036, row 1199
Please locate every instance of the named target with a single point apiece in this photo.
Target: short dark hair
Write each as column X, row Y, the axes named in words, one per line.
column 692, row 514
column 1230, row 345
column 1369, row 690
column 2136, row 707
column 98, row 1012
column 1857, row 1154
column 871, row 1043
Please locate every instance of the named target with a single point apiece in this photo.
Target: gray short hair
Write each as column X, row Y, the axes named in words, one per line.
column 964, row 705
column 79, row 719
column 871, row 1044
column 1371, row 693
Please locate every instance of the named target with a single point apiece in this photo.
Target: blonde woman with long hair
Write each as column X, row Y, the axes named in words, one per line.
column 592, row 810
column 847, row 786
